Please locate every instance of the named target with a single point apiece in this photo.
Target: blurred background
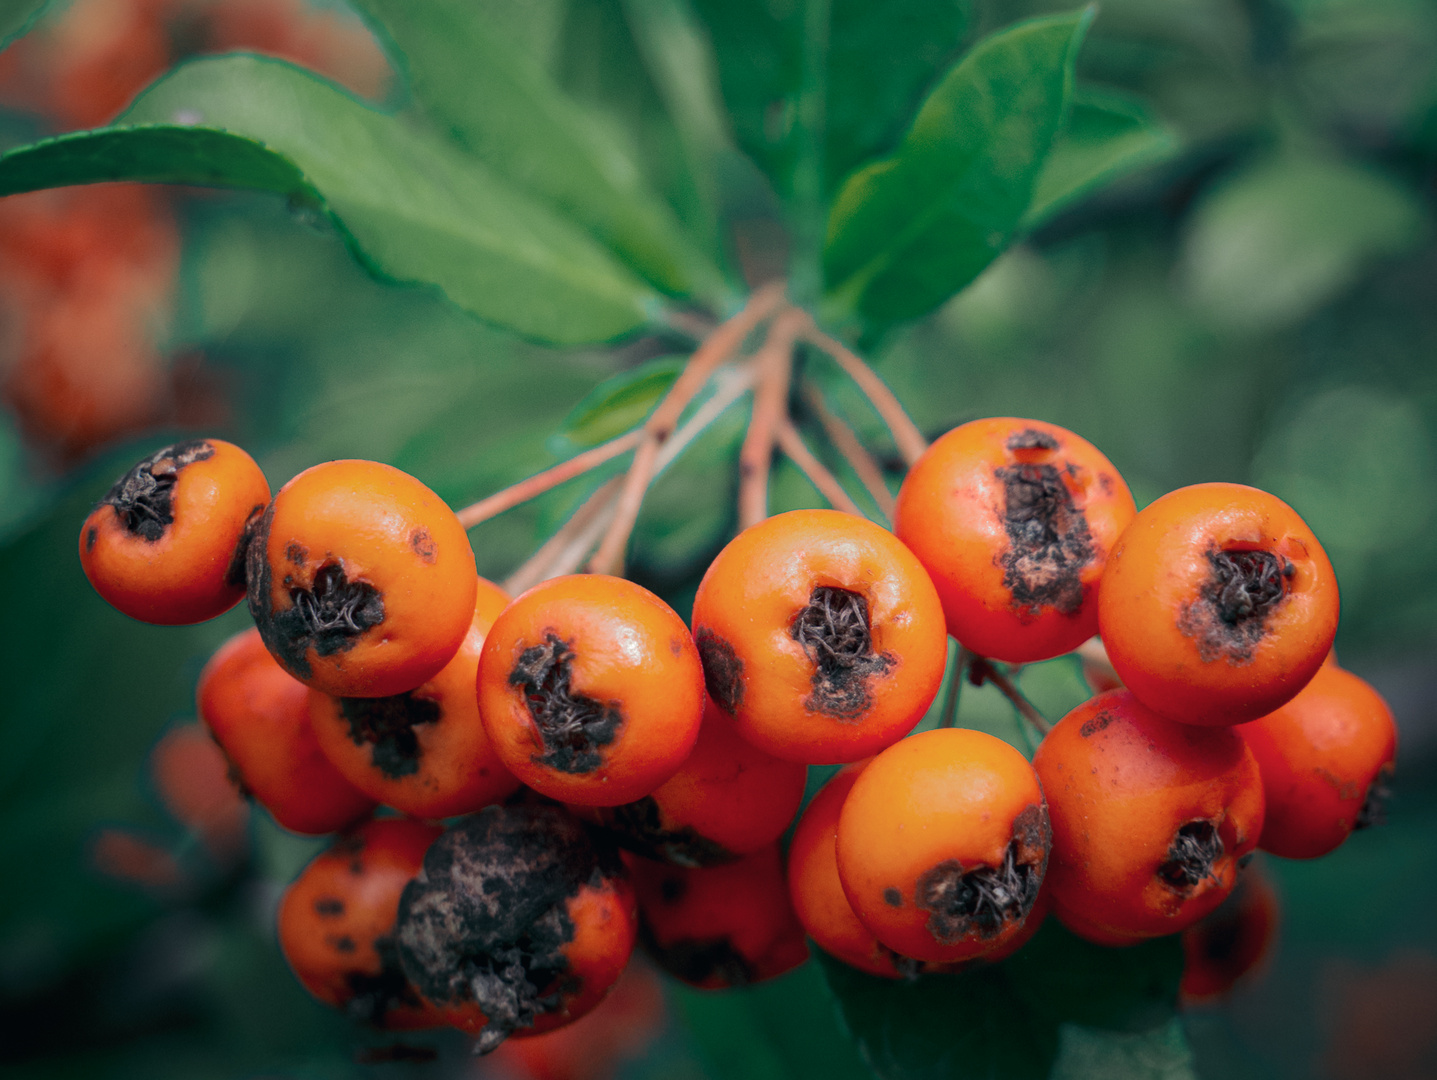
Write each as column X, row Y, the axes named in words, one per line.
column 1260, row 306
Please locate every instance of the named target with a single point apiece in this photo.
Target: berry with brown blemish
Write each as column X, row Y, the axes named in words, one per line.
column 336, row 924
column 582, row 694
column 166, row 544
column 719, row 926
column 259, row 715
column 1325, row 759
column 821, row 636
column 520, row 921
column 1151, row 819
column 1014, row 520
column 954, row 821
column 424, row 752
column 1218, row 604
column 728, row 799
column 361, row 580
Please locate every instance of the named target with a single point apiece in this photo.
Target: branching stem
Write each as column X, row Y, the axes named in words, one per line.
column 792, row 444
column 906, row 436
column 774, row 365
column 539, row 483
column 864, row 465
column 981, row 670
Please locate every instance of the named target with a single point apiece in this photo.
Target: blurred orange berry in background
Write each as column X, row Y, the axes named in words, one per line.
column 193, row 779
column 122, row 854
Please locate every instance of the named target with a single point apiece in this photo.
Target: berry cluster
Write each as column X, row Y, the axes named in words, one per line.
column 609, row 777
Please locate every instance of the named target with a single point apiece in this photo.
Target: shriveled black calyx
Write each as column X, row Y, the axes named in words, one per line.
column 1049, row 543
column 376, row 994
column 1195, row 847
column 573, row 727
column 985, row 900
column 486, row 919
column 1229, row 617
column 723, row 670
column 712, row 962
column 1373, row 811
column 386, row 724
column 639, row 827
column 328, row 615
column 835, row 632
column 144, row 497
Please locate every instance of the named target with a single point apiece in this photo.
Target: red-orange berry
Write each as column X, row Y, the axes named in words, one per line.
column 519, row 922
column 361, row 579
column 1218, row 604
column 591, row 690
column 1324, row 759
column 1151, row 819
column 942, row 844
column 425, row 751
column 728, row 799
column 1232, row 942
column 336, row 923
column 821, row 636
column 718, row 926
column 259, row 714
column 166, row 544
column 1014, row 519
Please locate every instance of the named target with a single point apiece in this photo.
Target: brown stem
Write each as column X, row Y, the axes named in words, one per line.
column 906, row 436
column 593, row 515
column 864, row 465
column 539, row 483
column 981, row 670
column 774, row 364
column 713, row 351
column 792, row 444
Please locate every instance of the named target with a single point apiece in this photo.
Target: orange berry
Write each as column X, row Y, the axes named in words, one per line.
column 1151, row 819
column 821, row 636
column 1323, row 757
column 1014, row 519
column 166, row 544
column 259, row 714
column 361, row 580
column 718, row 926
column 942, row 845
column 336, row 923
column 423, row 752
column 1218, row 604
column 591, row 690
column 727, row 799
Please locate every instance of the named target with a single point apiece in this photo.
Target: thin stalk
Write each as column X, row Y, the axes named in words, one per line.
column 949, row 716
column 846, row 441
column 983, row 670
column 539, row 483
column 774, row 365
column 792, row 444
column 906, row 436
column 582, row 529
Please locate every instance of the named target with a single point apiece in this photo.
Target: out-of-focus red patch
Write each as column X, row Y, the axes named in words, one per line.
column 125, row 856
column 193, row 779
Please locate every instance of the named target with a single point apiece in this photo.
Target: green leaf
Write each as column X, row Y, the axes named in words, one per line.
column 621, row 402
column 1287, row 233
column 1108, row 134
column 1091, row 1054
column 411, row 208
column 908, row 231
column 1075, row 981
column 495, row 97
column 943, row 1027
column 17, row 16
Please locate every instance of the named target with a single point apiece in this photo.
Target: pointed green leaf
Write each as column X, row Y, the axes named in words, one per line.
column 909, row 231
column 493, row 94
column 621, row 402
column 1108, row 135
column 412, row 208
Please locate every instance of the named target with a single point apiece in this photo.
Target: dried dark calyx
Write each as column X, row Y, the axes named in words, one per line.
column 713, row 962
column 144, row 497
column 986, row 899
column 486, row 920
column 573, row 727
column 1196, row 846
column 375, row 995
column 835, row 633
column 387, row 725
column 723, row 670
column 639, row 827
column 1048, row 539
column 1230, row 616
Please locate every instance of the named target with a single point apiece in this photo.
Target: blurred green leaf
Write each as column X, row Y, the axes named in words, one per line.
column 1075, row 981
column 494, row 95
column 17, row 16
column 943, row 1027
column 621, row 402
column 1091, row 1054
column 787, row 1029
column 1289, row 232
column 412, row 209
column 908, row 231
column 1108, row 134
